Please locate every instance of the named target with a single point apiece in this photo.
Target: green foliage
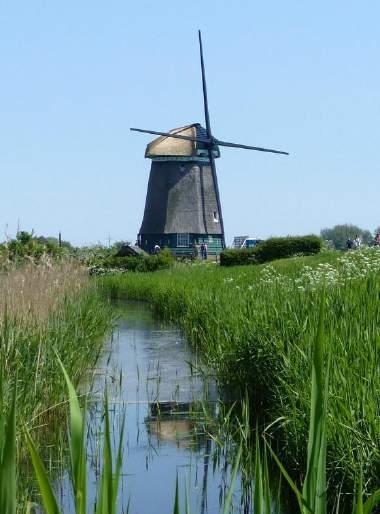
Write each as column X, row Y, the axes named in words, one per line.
column 339, row 234
column 7, row 455
column 107, row 487
column 127, row 263
column 29, row 342
column 280, row 320
column 272, row 249
column 314, row 487
column 176, row 509
column 46, row 490
column 26, row 246
column 24, row 237
column 93, row 255
column 52, row 243
column 237, row 257
column 96, row 254
column 283, row 247
column 312, row 499
column 77, row 447
column 143, row 264
column 254, row 325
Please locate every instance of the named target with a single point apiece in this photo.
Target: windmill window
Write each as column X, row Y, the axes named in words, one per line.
column 183, row 240
column 216, row 217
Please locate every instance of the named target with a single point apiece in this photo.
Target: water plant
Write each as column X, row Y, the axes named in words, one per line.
column 107, row 489
column 255, row 325
column 311, row 498
column 44, row 309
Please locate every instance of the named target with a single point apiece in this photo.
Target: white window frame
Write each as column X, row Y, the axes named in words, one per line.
column 183, row 240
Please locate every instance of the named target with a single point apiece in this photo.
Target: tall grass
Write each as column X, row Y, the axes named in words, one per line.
column 255, row 326
column 311, row 499
column 106, row 501
column 31, row 292
column 46, row 310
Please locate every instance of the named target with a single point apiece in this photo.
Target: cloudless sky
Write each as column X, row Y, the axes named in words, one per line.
column 297, row 76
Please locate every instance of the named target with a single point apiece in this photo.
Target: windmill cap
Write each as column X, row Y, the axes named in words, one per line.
column 165, row 146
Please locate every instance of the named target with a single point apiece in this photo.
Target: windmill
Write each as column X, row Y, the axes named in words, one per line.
column 183, row 204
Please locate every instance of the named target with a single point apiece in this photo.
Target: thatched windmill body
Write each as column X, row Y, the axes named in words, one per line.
column 183, row 203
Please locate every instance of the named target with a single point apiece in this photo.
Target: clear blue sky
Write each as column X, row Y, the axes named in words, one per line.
column 298, row 76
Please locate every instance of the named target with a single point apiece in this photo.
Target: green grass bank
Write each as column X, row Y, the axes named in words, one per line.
column 255, row 326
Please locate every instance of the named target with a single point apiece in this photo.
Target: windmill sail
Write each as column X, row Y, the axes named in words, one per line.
column 170, row 134
column 246, row 147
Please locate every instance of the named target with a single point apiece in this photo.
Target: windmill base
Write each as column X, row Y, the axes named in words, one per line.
column 181, row 244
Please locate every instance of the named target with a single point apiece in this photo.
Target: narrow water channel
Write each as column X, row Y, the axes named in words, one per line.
column 156, row 379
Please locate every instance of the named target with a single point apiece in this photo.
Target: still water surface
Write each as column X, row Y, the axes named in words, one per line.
column 154, row 376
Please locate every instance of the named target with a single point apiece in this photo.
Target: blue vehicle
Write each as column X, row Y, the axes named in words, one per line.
column 251, row 242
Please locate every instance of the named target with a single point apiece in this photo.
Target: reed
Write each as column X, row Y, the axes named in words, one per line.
column 255, row 326
column 106, row 500
column 44, row 310
column 32, row 292
column 311, row 499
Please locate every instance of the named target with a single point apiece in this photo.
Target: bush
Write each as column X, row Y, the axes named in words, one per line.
column 274, row 248
column 282, row 247
column 142, row 264
column 129, row 263
column 26, row 247
column 237, row 257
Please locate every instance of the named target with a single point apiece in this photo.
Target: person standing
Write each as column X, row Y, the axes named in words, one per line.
column 202, row 251
column 205, row 252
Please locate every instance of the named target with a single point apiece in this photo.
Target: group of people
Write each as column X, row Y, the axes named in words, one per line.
column 202, row 250
column 354, row 244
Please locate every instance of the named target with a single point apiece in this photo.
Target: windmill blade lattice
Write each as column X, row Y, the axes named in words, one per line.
column 246, row 147
column 174, row 136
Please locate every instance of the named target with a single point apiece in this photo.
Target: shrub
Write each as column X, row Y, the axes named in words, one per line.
column 282, row 247
column 237, row 257
column 274, row 248
column 142, row 264
column 129, row 263
column 26, row 247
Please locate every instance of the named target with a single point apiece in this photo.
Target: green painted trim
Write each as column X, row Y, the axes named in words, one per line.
column 214, row 243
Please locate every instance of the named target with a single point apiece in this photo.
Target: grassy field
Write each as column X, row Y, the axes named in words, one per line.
column 256, row 325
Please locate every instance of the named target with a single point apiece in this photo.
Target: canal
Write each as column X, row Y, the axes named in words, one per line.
column 170, row 401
